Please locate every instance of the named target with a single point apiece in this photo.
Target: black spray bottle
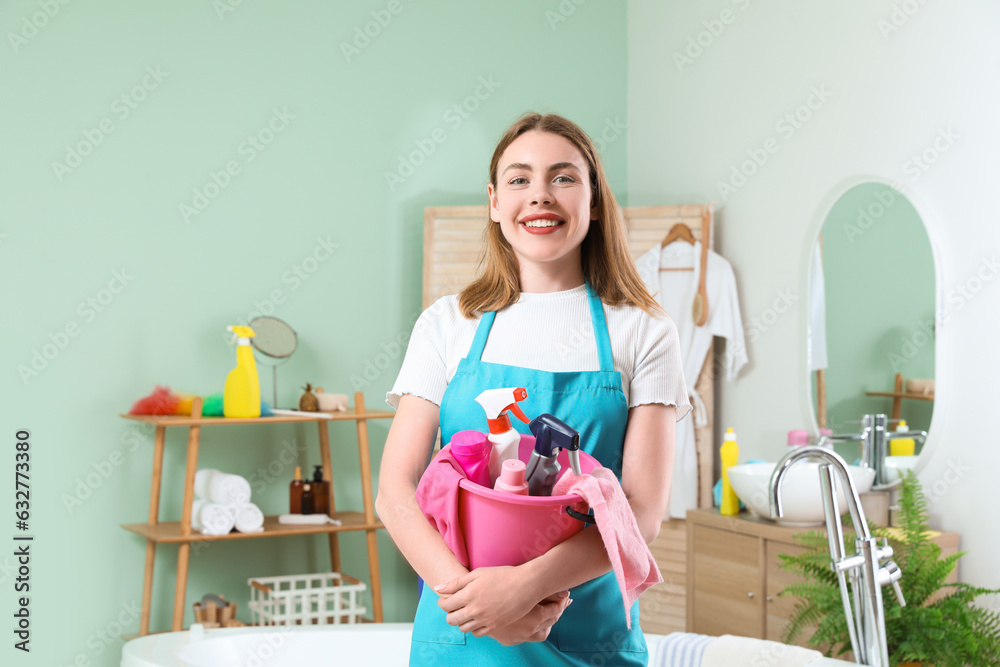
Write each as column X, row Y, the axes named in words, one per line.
column 551, row 435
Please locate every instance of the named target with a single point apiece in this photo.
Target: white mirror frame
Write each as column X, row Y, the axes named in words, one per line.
column 942, row 378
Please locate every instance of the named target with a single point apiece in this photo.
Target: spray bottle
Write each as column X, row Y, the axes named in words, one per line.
column 551, row 435
column 241, row 397
column 505, row 439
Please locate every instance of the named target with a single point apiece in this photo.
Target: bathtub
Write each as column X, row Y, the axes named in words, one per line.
column 374, row 644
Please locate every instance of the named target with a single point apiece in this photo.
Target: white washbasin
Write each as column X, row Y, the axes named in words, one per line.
column 895, row 465
column 801, row 499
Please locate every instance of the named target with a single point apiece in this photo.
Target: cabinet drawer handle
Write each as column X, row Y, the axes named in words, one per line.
column 750, row 594
column 769, row 598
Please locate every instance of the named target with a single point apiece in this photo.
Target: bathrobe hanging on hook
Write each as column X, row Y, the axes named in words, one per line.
column 676, row 291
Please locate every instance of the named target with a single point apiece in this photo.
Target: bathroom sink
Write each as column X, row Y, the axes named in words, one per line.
column 801, row 499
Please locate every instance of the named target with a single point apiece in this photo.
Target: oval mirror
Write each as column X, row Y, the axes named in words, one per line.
column 872, row 317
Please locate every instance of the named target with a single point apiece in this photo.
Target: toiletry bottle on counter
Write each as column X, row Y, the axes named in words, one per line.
column 505, row 440
column 321, row 491
column 902, row 446
column 472, row 451
column 511, row 478
column 729, row 454
column 551, row 435
column 295, row 492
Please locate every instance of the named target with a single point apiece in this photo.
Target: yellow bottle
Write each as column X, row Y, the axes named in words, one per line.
column 729, row 455
column 902, row 446
column 241, row 397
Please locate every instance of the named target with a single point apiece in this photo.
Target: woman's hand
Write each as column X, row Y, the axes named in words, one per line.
column 536, row 624
column 488, row 599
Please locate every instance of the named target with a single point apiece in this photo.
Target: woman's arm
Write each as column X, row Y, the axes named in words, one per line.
column 407, row 450
column 647, row 465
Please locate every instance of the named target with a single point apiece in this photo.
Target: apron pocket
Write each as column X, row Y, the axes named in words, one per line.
column 595, row 622
column 430, row 626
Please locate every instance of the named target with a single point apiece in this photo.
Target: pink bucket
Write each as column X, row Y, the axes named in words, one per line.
column 507, row 529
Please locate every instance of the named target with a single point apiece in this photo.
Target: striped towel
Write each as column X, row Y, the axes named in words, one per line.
column 680, row 649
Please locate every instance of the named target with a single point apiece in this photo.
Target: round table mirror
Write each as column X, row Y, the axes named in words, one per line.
column 273, row 343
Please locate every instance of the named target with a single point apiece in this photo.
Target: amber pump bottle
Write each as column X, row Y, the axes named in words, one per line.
column 308, row 507
column 295, row 492
column 320, row 491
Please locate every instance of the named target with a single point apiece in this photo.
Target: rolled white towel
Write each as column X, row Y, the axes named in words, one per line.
column 249, row 519
column 221, row 487
column 730, row 650
column 210, row 518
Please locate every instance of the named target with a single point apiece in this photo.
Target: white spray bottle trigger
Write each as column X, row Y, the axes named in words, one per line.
column 496, row 402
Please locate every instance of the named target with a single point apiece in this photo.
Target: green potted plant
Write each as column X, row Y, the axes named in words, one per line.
column 939, row 624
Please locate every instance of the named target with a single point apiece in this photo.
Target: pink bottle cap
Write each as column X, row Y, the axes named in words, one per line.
column 470, row 443
column 512, row 472
column 798, row 438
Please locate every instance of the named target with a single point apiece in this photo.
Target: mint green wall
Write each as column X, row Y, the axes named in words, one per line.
column 166, row 281
column 880, row 290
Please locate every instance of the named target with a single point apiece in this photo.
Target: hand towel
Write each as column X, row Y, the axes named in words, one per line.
column 680, row 649
column 210, row 518
column 633, row 564
column 437, row 497
column 248, row 519
column 221, row 488
column 730, row 650
column 308, row 519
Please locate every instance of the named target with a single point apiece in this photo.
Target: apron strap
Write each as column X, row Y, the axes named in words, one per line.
column 482, row 333
column 600, row 330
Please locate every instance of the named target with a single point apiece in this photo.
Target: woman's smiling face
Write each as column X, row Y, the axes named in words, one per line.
column 542, row 200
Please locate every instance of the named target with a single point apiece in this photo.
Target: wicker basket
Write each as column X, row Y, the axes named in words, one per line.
column 306, row 599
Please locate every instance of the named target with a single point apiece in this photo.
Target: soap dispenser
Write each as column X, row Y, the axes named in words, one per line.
column 729, row 455
column 321, row 491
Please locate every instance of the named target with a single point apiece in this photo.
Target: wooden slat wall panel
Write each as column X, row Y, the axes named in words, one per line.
column 453, row 238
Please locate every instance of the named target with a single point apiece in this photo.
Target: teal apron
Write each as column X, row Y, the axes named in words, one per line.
column 592, row 631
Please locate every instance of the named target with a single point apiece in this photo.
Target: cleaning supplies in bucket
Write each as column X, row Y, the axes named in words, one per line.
column 500, row 528
column 512, row 479
column 472, row 451
column 551, row 435
column 496, row 403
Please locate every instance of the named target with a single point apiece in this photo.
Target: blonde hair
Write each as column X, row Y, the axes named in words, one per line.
column 607, row 262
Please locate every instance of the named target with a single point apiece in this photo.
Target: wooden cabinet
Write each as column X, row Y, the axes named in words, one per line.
column 180, row 532
column 734, row 574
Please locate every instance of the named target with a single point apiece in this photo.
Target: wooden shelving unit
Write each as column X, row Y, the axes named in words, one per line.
column 180, row 532
column 897, row 395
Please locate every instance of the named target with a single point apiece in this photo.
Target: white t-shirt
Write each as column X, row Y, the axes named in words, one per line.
column 548, row 332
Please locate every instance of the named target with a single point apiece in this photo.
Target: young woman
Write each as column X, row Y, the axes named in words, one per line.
column 559, row 309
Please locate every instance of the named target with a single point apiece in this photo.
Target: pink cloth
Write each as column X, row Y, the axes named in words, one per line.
column 437, row 497
column 633, row 564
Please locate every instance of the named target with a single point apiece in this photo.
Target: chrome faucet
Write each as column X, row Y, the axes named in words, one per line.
column 874, row 439
column 863, row 607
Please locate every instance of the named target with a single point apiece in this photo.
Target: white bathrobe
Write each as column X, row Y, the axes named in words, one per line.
column 675, row 291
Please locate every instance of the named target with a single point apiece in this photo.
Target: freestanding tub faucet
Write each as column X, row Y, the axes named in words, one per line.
column 866, row 623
